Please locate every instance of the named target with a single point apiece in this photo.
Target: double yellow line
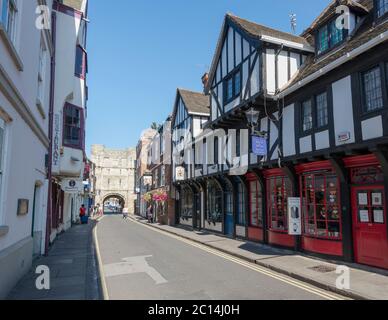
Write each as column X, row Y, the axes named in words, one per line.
column 321, row 293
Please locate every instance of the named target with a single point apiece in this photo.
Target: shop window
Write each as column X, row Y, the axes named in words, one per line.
column 228, row 199
column 321, row 205
column 279, row 189
column 214, row 207
column 255, row 204
column 307, row 115
column 321, row 110
column 370, row 206
column 381, row 7
column 372, row 90
column 187, row 204
column 73, row 127
column 240, row 205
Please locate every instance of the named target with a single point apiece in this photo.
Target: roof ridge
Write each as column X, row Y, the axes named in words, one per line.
column 188, row 90
column 262, row 25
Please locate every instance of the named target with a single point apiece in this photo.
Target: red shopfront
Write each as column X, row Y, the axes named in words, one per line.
column 278, row 190
column 321, row 208
column 256, row 208
column 369, row 210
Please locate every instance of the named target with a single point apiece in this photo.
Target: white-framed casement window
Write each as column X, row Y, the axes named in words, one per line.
column 9, row 11
column 41, row 72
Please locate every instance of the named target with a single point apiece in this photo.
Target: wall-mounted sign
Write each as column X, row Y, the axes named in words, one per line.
column 179, row 173
column 343, row 137
column 72, row 186
column 294, row 217
column 259, row 146
column 56, row 144
column 22, row 207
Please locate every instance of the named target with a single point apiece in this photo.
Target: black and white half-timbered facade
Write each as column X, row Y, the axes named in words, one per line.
column 322, row 100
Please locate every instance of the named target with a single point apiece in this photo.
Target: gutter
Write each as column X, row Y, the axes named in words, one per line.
column 51, row 129
column 349, row 56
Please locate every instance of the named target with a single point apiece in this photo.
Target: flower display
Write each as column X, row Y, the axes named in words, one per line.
column 160, row 196
column 147, row 197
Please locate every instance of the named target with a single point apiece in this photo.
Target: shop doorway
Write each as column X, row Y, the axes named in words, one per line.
column 370, row 226
column 197, row 207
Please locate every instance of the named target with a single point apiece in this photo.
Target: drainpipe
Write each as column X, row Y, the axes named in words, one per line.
column 51, row 125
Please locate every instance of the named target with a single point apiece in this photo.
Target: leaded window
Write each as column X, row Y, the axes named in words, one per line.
column 381, row 7
column 307, row 115
column 322, row 112
column 372, row 89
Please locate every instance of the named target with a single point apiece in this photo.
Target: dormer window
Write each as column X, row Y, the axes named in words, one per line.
column 381, row 7
column 329, row 36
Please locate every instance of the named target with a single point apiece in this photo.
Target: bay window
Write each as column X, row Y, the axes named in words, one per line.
column 372, row 89
column 73, row 127
column 255, row 204
column 321, row 205
column 279, row 189
column 381, row 7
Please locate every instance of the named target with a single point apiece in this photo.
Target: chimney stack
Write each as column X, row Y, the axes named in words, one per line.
column 205, row 80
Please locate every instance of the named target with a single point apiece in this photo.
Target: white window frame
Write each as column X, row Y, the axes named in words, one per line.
column 10, row 26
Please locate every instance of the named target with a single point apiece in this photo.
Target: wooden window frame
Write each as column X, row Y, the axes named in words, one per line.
column 363, row 93
column 259, row 195
column 81, row 143
column 235, row 94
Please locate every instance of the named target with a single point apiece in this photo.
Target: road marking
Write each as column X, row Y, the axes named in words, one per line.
column 254, row 267
column 105, row 292
column 133, row 265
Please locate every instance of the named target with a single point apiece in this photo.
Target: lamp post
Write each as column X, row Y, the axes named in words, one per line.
column 253, row 121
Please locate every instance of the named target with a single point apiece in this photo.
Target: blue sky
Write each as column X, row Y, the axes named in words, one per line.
column 141, row 51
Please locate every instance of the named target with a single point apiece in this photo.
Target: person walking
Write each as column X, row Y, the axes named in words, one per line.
column 82, row 214
column 150, row 214
column 125, row 213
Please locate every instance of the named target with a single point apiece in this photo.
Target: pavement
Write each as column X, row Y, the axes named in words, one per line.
column 73, row 269
column 365, row 283
column 144, row 263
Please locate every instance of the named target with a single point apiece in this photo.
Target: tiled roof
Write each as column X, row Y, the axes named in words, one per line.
column 257, row 30
column 195, row 102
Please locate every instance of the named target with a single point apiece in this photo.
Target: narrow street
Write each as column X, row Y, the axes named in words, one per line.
column 142, row 263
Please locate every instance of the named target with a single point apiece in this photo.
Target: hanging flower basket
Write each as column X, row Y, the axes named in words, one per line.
column 147, row 197
column 160, row 196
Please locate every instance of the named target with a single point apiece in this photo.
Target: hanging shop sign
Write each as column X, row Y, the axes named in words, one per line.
column 259, row 146
column 56, row 156
column 179, row 173
column 294, row 217
column 72, row 186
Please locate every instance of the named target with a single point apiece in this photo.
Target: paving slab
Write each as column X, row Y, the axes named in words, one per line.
column 73, row 271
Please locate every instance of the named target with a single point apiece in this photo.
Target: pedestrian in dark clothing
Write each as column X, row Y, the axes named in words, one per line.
column 150, row 214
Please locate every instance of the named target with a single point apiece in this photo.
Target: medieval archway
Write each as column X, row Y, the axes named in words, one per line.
column 113, row 204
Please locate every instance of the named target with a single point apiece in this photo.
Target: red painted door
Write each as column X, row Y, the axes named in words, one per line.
column 370, row 226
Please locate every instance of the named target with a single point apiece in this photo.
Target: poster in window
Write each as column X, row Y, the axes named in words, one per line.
column 362, row 199
column 378, row 216
column 364, row 216
column 294, row 216
column 377, row 199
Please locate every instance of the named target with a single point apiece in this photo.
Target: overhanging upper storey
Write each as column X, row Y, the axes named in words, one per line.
column 251, row 59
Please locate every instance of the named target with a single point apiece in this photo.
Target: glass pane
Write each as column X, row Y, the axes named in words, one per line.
column 307, row 116
column 372, row 90
column 322, row 114
column 382, row 7
column 336, row 35
column 229, row 89
column 323, row 39
column 237, row 84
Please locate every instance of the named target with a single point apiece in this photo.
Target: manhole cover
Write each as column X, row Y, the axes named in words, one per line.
column 323, row 269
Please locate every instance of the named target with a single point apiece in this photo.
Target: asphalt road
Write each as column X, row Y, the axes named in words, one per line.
column 141, row 263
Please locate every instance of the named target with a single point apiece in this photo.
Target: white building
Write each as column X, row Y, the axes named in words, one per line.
column 39, row 39
column 70, row 99
column 25, row 52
